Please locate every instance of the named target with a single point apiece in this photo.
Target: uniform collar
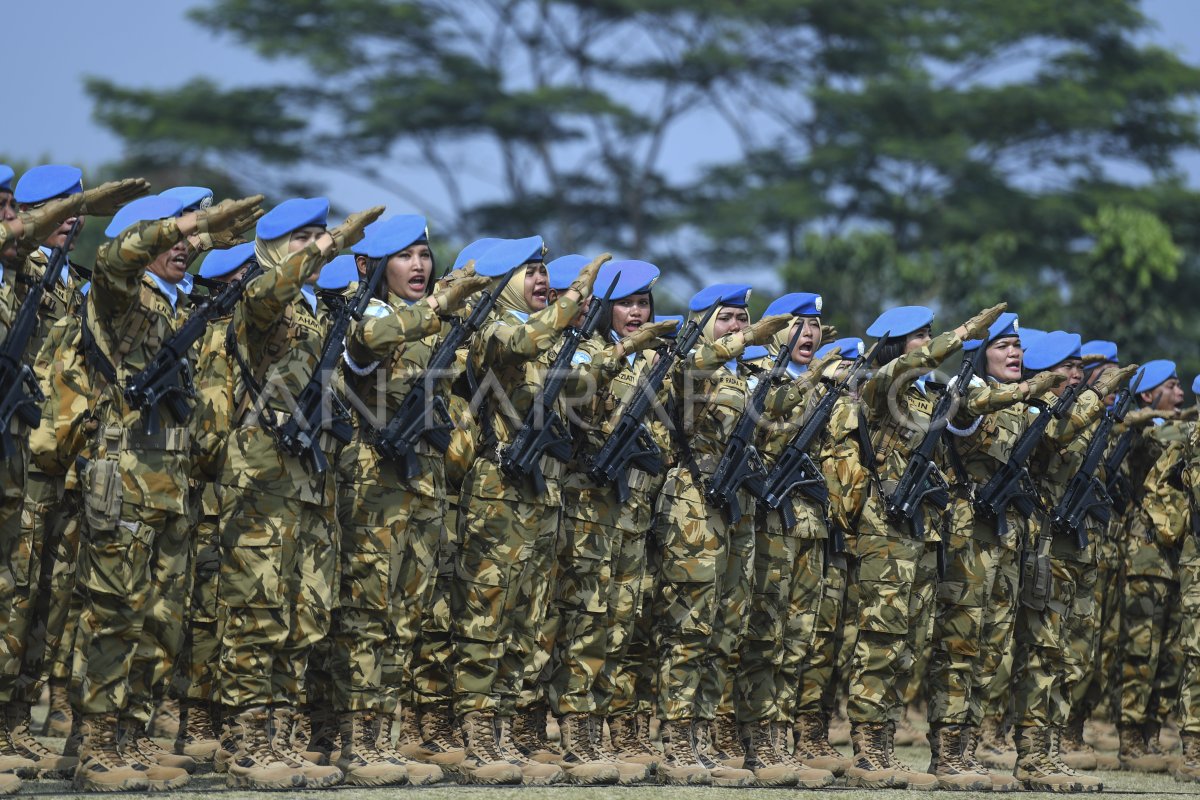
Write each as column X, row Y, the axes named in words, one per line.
column 169, row 290
column 65, row 274
column 310, row 296
column 795, row 370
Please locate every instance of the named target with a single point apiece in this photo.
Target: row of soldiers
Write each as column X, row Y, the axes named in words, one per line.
column 373, row 526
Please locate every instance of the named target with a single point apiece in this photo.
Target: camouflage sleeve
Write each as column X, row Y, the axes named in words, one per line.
column 383, row 329
column 710, row 355
column 593, row 368
column 62, row 433
column 1087, row 408
column 212, row 420
column 784, row 398
column 895, row 377
column 279, row 284
column 120, row 262
column 504, row 343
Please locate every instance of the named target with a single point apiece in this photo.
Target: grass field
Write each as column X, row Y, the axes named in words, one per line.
column 210, row 785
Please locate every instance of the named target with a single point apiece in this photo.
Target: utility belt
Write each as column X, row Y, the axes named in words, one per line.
column 170, row 440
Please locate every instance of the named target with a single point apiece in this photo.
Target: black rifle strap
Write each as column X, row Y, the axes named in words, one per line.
column 91, row 350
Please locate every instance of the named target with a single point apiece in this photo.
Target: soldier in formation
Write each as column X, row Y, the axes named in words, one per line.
column 373, row 523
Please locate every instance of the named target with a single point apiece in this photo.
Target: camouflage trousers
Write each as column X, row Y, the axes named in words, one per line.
column 1189, row 638
column 537, row 646
column 633, row 685
column 785, row 597
column 707, row 570
column 388, row 546
column 597, row 599
column 195, row 679
column 135, row 580
column 1082, row 634
column 972, row 618
column 626, row 598
column 1151, row 658
column 823, row 663
column 19, row 570
column 62, row 524
column 499, row 597
column 995, row 673
column 275, row 592
column 431, row 669
column 1039, row 682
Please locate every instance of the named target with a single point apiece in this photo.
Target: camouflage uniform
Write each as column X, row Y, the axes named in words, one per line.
column 1189, row 585
column 507, row 533
column 391, row 526
column 1151, row 660
column 977, row 558
column 277, row 526
column 134, row 548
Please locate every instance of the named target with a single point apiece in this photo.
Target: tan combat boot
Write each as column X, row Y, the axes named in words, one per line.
column 1188, row 768
column 284, row 744
column 806, row 777
column 227, row 739
column 1157, row 742
column 628, row 772
column 528, row 733
column 9, row 783
column 872, row 766
column 1135, row 755
column 408, row 729
column 254, row 764
column 12, row 758
column 947, row 748
column 1001, row 781
column 812, row 746
column 197, row 737
column 995, row 750
column 761, row 758
column 59, row 717
column 102, row 767
column 164, row 724
column 536, row 773
column 906, row 733
column 1074, row 751
column 1040, row 769
column 726, row 742
column 361, row 762
column 314, row 735
column 708, row 754
column 483, row 763
column 133, row 734
column 680, row 766
column 48, row 763
column 1102, row 735
column 583, row 765
column 632, row 743
column 441, row 744
column 142, row 754
column 378, row 726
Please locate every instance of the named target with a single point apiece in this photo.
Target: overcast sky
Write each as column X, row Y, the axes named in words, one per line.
column 151, row 43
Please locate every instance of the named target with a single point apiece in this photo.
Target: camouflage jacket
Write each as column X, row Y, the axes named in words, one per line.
column 1145, row 555
column 62, row 300
column 773, row 439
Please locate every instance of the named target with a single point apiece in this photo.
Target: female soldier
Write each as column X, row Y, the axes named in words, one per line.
column 390, row 521
column 894, row 572
column 707, row 552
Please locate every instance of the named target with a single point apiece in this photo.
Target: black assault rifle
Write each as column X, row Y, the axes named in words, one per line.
column 1012, row 485
column 922, row 480
column 300, row 435
column 740, row 464
column 20, row 394
column 630, row 443
column 421, row 416
column 1085, row 495
column 795, row 470
column 168, row 379
column 542, row 431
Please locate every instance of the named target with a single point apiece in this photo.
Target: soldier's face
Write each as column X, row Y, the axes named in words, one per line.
column 1098, row 371
column 809, row 341
column 409, row 271
column 8, row 206
column 1004, row 359
column 918, row 339
column 1073, row 369
column 630, row 313
column 1167, row 397
column 299, row 238
column 59, row 237
column 537, row 286
column 171, row 265
column 730, row 320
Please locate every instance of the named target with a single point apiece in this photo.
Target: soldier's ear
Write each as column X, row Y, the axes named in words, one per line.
column 361, row 263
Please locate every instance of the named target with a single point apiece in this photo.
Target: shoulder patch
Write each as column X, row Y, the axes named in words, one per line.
column 377, row 308
column 751, row 382
column 581, row 357
column 520, row 315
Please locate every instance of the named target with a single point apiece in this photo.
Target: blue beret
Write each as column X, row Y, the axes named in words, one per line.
column 1099, row 347
column 384, row 237
column 678, row 320
column 508, row 254
column 192, row 198
column 1029, row 336
column 47, row 182
column 1151, row 375
column 1196, row 385
column 1005, row 325
column 565, row 269
column 1051, row 349
column 754, row 352
column 726, row 294
column 141, row 210
column 338, row 274
column 6, row 176
column 852, row 347
column 900, row 321
column 474, row 250
column 636, row 277
column 220, row 263
column 290, row 215
column 801, row 304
